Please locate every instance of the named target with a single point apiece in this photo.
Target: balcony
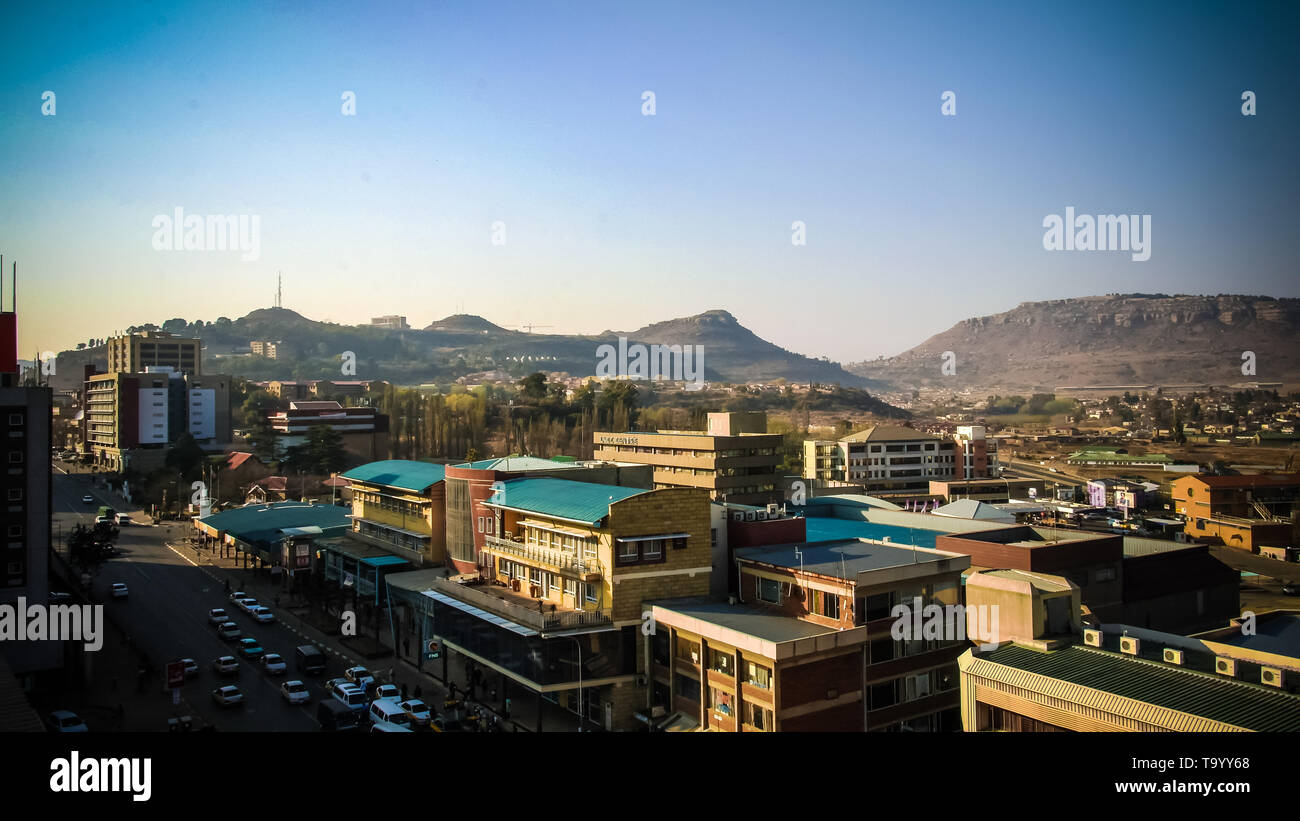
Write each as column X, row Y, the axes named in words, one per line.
column 522, row 609
column 567, row 564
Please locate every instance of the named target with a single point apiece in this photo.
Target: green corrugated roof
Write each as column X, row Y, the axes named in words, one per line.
column 563, row 498
column 261, row 524
column 399, row 473
column 1251, row 706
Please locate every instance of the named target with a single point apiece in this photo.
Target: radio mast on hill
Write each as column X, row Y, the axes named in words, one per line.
column 279, row 282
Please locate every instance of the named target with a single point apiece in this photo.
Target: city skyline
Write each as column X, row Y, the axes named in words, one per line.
column 472, row 126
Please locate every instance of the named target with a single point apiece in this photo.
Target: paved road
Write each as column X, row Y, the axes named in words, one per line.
column 166, row 616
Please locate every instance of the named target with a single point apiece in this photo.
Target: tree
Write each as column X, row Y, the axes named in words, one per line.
column 324, row 449
column 533, row 386
column 185, row 457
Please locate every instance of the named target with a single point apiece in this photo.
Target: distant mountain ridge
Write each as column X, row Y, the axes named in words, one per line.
column 463, row 344
column 1118, row 339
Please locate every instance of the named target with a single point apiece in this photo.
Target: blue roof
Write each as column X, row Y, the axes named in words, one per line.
column 399, row 473
column 820, row 528
column 563, row 498
column 262, row 524
column 384, row 561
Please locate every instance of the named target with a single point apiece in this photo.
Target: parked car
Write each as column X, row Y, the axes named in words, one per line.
column 384, row 691
column 237, row 595
column 273, row 664
column 217, row 616
column 417, row 711
column 226, row 666
column 350, row 696
column 262, row 614
column 229, row 631
column 228, row 696
column 295, row 692
column 103, row 520
column 250, row 649
column 247, row 604
column 119, row 590
column 388, row 727
column 65, row 721
column 358, row 675
column 123, row 519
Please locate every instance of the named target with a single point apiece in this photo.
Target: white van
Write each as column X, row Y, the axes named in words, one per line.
column 389, row 711
column 353, row 697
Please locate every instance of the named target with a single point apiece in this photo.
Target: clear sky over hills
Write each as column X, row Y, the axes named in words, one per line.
column 530, row 114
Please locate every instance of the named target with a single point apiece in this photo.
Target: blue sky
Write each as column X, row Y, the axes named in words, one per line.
column 530, row 114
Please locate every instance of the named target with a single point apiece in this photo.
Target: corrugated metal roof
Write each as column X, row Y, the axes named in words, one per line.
column 263, row 524
column 399, row 473
column 1250, row 706
column 562, row 498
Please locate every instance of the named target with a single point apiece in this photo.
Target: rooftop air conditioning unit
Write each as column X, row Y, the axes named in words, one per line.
column 1226, row 667
column 1092, row 638
column 1173, row 656
column 738, row 516
column 1130, row 646
column 1272, row 676
column 773, row 509
column 762, row 515
column 750, row 516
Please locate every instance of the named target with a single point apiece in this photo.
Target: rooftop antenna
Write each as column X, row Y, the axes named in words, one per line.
column 279, row 282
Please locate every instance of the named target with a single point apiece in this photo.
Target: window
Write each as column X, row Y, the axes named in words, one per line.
column 686, row 687
column 652, row 551
column 768, row 590
column 627, row 553
column 16, row 457
column 713, row 539
column 722, row 661
column 535, row 576
column 825, row 604
column 884, row 695
column 757, row 717
column 876, row 607
column 720, row 701
column 758, row 675
column 590, row 594
column 882, row 650
column 688, row 651
column 554, row 579
column 571, row 587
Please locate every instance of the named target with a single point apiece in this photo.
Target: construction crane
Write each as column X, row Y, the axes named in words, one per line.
column 529, row 328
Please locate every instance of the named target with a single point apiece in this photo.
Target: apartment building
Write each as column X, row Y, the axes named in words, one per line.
column 895, row 458
column 266, row 348
column 1246, row 512
column 363, row 430
column 808, row 644
column 736, row 460
column 400, row 506
column 391, row 321
column 132, row 419
column 470, row 487
column 133, row 353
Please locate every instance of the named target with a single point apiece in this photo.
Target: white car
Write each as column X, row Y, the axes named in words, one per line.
column 228, row 696
column 237, row 595
column 295, row 692
column 119, row 590
column 217, row 616
column 65, row 721
column 247, row 604
column 226, row 666
column 262, row 614
column 418, row 711
column 386, row 691
column 88, row 499
column 124, row 519
column 273, row 664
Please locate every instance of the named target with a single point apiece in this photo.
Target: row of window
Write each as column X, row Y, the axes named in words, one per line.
column 547, row 581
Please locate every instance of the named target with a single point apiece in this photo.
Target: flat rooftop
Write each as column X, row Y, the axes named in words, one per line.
column 1274, row 633
column 841, row 558
column 767, row 624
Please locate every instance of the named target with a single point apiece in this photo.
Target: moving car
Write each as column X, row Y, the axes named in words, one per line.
column 295, row 692
column 350, row 696
column 262, row 614
column 226, row 666
column 385, row 691
column 1291, row 589
column 123, row 519
column 119, row 590
column 274, row 664
column 310, row 659
column 237, row 595
column 103, row 520
column 335, row 717
column 388, row 727
column 191, row 667
column 88, row 499
column 228, row 696
column 65, row 721
column 247, row 604
column 417, row 711
column 229, row 631
column 250, row 649
column 217, row 617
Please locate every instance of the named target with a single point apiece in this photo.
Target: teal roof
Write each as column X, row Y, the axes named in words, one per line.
column 562, row 498
column 1251, row 706
column 262, row 524
column 384, row 561
column 516, row 463
column 399, row 473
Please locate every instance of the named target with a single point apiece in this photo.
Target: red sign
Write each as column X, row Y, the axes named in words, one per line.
column 175, row 673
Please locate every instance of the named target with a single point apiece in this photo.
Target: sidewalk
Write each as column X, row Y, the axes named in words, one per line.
column 377, row 654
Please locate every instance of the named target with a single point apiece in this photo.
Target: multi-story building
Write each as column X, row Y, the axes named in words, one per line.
column 133, row 418
column 27, row 490
column 363, row 430
column 736, row 460
column 1246, row 512
column 133, row 353
column 989, row 490
column 895, row 458
column 391, row 321
column 354, row 388
column 470, row 487
column 400, row 506
column 266, row 348
column 809, row 644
